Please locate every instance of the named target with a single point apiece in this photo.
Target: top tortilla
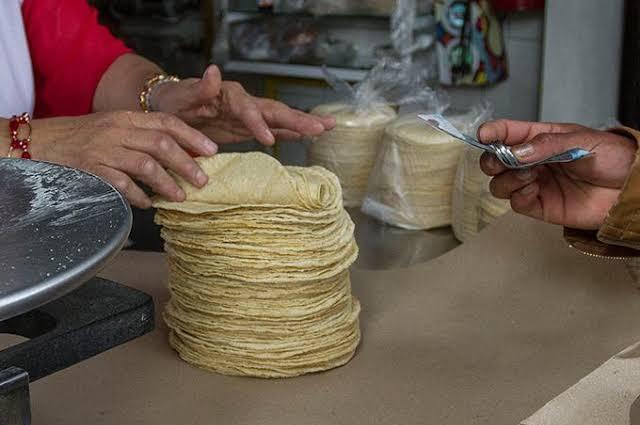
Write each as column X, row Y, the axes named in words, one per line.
column 255, row 179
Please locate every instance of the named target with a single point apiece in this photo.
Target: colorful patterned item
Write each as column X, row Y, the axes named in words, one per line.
column 470, row 43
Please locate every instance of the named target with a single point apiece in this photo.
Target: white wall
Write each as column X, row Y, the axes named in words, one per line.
column 582, row 50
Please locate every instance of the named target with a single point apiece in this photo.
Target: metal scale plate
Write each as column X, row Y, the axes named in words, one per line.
column 58, row 226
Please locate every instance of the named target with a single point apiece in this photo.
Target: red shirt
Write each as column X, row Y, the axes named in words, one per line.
column 70, row 51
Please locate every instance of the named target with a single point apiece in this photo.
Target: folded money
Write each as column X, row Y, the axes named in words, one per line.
column 500, row 150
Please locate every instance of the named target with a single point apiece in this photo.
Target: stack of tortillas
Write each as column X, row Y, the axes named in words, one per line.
column 412, row 181
column 491, row 208
column 473, row 205
column 349, row 150
column 259, row 277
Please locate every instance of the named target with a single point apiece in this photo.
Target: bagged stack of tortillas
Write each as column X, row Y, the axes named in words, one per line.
column 412, row 180
column 259, row 269
column 491, row 208
column 473, row 205
column 469, row 186
column 349, row 150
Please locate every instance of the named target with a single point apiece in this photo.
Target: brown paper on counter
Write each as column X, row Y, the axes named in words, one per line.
column 610, row 395
column 486, row 334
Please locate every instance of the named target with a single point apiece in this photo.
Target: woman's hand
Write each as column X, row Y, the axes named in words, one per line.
column 577, row 194
column 123, row 147
column 225, row 112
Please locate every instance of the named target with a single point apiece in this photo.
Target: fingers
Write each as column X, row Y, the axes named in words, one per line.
column 185, row 135
column 522, row 188
column 244, row 108
column 208, row 87
column 286, row 135
column 512, row 132
column 541, row 147
column 328, row 122
column 146, row 169
column 546, row 145
column 526, row 201
column 125, row 185
column 255, row 123
column 490, row 165
column 279, row 115
column 164, row 149
column 504, row 185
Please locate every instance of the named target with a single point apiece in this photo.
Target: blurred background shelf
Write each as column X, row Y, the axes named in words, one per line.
column 292, row 70
column 246, row 42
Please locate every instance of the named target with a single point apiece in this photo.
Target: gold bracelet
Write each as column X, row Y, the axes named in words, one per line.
column 150, row 84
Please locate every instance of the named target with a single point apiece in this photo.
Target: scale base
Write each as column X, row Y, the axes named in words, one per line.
column 92, row 319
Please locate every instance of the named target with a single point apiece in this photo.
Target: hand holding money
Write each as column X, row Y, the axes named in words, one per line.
column 576, row 194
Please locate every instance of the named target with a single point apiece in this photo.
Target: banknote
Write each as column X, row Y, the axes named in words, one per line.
column 502, row 151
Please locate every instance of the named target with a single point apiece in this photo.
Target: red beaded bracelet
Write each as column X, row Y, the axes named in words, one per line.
column 16, row 142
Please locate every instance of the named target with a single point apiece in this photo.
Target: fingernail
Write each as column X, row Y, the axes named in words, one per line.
column 180, row 195
column 210, row 147
column 318, row 127
column 484, row 133
column 523, row 151
column 269, row 137
column 529, row 189
column 525, row 175
column 201, row 177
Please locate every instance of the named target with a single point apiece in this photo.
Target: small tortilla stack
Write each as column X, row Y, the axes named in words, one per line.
column 412, row 181
column 350, row 149
column 473, row 205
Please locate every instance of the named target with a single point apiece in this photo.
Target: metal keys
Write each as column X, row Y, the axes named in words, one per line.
column 500, row 150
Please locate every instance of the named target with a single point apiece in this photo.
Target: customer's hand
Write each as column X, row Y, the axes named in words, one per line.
column 227, row 113
column 577, row 194
column 124, row 147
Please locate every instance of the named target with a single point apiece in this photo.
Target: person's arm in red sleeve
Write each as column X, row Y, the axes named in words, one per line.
column 79, row 66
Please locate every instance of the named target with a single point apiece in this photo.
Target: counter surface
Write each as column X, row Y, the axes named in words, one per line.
column 485, row 334
column 384, row 247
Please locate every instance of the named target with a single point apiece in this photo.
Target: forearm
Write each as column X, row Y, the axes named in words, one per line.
column 120, row 86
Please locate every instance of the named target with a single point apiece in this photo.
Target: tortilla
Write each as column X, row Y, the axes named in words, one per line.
column 255, row 179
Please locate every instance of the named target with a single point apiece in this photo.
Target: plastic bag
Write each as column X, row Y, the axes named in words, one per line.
column 346, row 7
column 473, row 206
column 411, row 183
column 403, row 22
column 275, row 39
column 350, row 7
column 413, row 178
column 349, row 150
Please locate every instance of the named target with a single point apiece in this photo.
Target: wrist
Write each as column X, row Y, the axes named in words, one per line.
column 154, row 92
column 161, row 96
column 44, row 133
